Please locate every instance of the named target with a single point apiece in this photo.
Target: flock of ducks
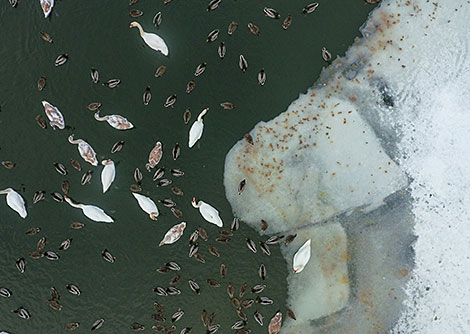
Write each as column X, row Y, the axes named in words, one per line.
column 210, row 214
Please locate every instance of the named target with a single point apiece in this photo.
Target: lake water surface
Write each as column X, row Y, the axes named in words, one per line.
column 96, row 34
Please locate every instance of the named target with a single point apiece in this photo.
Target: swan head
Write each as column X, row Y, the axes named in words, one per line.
column 134, row 24
column 106, row 162
column 6, row 191
column 153, row 215
column 298, row 268
column 68, row 199
column 71, row 137
column 194, row 203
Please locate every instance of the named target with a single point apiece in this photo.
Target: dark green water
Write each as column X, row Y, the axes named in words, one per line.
column 96, row 34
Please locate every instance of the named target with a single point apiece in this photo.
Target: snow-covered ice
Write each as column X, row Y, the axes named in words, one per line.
column 374, row 156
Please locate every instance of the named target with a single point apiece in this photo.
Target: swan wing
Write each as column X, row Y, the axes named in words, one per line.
column 107, row 176
column 195, row 133
column 156, row 154
column 302, row 257
column 96, row 214
column 146, row 204
column 46, row 6
column 155, row 42
column 56, row 119
column 173, row 234
column 87, row 152
column 210, row 214
column 16, row 202
column 119, row 122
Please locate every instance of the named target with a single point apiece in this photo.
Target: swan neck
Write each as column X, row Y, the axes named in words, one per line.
column 97, row 117
column 5, row 191
column 199, row 118
column 68, row 200
column 72, row 141
column 142, row 32
column 196, row 205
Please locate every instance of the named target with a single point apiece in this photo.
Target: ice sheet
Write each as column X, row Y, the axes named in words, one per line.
column 405, row 83
column 317, row 159
column 322, row 287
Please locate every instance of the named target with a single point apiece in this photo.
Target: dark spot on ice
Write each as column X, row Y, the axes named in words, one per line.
column 385, row 92
column 387, row 97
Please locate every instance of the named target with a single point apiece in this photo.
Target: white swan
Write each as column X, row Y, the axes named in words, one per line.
column 92, row 212
column 147, row 205
column 116, row 121
column 302, row 257
column 107, row 174
column 46, row 6
column 152, row 40
column 208, row 212
column 86, row 151
column 195, row 132
column 173, row 234
column 15, row 201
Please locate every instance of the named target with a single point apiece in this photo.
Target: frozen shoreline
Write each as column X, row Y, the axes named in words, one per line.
column 404, row 79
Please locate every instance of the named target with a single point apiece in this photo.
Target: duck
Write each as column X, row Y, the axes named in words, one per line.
column 117, row 146
column 15, row 201
column 148, row 205
column 85, row 149
column 107, row 174
column 153, row 40
column 97, row 324
column 147, row 96
column 326, row 55
column 95, row 75
column 92, row 212
column 116, row 121
column 243, row 64
column 112, row 83
column 302, row 257
column 22, row 312
column 208, row 212
column 41, row 83
column 195, row 133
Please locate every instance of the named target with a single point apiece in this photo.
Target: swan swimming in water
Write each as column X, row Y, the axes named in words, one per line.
column 15, row 201
column 147, row 205
column 86, row 151
column 173, row 234
column 92, row 212
column 155, row 156
column 302, row 257
column 116, row 121
column 56, row 119
column 108, row 174
column 208, row 212
column 153, row 40
column 195, row 133
column 46, row 6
